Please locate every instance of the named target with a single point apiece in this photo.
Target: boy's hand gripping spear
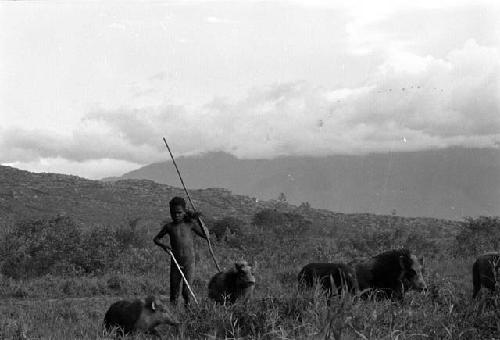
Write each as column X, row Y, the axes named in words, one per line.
column 203, row 227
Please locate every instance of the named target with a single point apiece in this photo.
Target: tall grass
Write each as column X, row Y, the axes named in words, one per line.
column 65, row 304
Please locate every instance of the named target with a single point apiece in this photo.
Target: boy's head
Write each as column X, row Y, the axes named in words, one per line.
column 177, row 209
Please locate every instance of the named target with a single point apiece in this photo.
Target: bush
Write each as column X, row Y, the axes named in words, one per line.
column 294, row 224
column 227, row 226
column 99, row 250
column 421, row 245
column 268, row 218
column 367, row 244
column 128, row 236
column 34, row 247
column 370, row 243
column 479, row 235
column 282, row 223
column 57, row 246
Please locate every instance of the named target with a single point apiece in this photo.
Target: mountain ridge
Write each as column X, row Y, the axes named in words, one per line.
column 446, row 183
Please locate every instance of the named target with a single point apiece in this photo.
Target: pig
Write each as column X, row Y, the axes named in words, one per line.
column 329, row 275
column 230, row 285
column 142, row 315
column 485, row 272
column 391, row 273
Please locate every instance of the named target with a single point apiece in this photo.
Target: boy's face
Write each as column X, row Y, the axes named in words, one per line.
column 178, row 213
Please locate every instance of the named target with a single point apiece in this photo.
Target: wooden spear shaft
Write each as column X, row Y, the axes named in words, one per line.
column 203, row 227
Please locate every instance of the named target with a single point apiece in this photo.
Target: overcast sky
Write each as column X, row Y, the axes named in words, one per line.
column 90, row 88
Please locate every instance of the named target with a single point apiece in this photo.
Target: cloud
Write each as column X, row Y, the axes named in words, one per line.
column 451, row 97
column 93, row 169
column 409, row 102
column 158, row 76
column 218, row 20
column 435, row 27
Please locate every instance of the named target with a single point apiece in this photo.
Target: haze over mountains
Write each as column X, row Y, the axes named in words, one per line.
column 447, row 183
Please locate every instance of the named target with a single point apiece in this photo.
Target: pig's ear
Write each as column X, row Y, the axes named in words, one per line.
column 402, row 262
column 149, row 303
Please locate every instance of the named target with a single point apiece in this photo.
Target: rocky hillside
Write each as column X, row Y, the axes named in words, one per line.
column 449, row 183
column 30, row 195
column 26, row 195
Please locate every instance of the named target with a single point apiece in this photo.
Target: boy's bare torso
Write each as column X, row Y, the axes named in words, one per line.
column 181, row 240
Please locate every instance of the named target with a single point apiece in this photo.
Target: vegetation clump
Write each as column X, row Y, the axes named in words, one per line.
column 478, row 235
column 60, row 246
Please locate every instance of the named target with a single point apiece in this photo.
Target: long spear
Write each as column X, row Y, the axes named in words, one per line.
column 203, row 227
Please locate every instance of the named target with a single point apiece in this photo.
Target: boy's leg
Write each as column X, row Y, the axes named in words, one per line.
column 175, row 282
column 188, row 270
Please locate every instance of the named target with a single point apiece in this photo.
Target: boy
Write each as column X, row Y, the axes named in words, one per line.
column 180, row 232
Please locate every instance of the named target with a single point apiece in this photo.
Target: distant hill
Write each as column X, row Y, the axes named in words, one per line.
column 447, row 183
column 25, row 195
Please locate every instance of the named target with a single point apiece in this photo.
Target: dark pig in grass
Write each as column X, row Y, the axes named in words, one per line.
column 330, row 275
column 142, row 315
column 486, row 272
column 230, row 285
column 391, row 273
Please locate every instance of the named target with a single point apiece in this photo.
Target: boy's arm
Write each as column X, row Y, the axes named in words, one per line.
column 160, row 235
column 198, row 229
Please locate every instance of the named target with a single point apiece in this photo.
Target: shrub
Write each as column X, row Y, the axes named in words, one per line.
column 367, row 243
column 99, row 249
column 227, row 226
column 129, row 236
column 57, row 246
column 373, row 242
column 293, row 224
column 34, row 247
column 268, row 218
column 478, row 235
column 421, row 244
column 282, row 223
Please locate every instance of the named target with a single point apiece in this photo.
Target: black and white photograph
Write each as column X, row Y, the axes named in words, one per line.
column 282, row 169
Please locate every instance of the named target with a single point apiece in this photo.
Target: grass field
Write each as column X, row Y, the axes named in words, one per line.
column 65, row 304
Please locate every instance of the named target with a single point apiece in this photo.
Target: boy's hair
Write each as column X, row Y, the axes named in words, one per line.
column 177, row 201
column 189, row 215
